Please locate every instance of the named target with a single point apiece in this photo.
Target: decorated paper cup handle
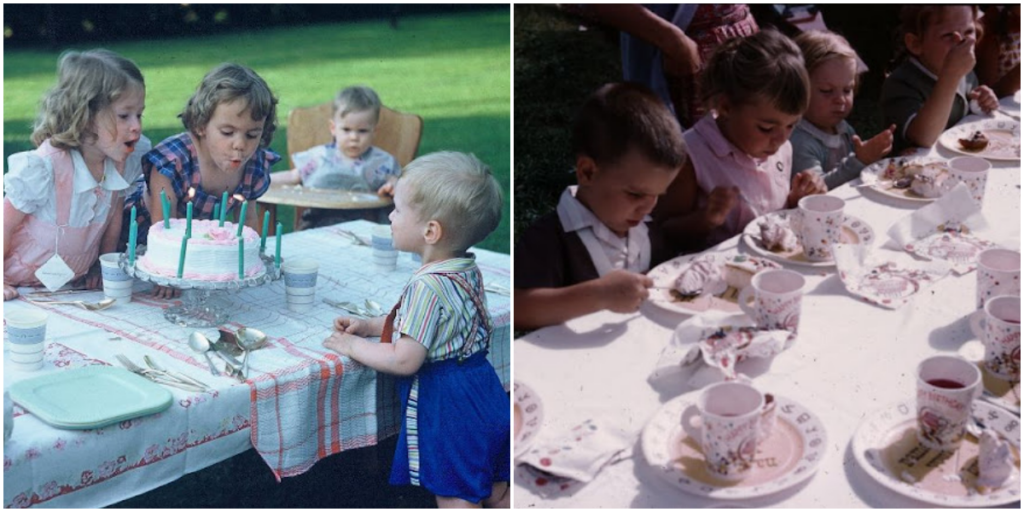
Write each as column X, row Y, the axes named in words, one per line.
column 767, row 423
column 978, row 323
column 744, row 301
column 691, row 422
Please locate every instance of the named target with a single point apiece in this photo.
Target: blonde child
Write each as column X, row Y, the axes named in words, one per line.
column 823, row 142
column 455, row 434
column 230, row 122
column 350, row 162
column 740, row 156
column 933, row 87
column 63, row 200
column 591, row 252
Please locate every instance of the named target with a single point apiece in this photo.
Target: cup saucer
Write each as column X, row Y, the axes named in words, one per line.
column 886, row 447
column 528, row 416
column 789, row 456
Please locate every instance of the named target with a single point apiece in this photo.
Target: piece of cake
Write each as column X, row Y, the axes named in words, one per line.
column 995, row 462
column 739, row 270
column 776, row 236
column 211, row 255
column 976, row 142
column 701, row 277
column 928, row 180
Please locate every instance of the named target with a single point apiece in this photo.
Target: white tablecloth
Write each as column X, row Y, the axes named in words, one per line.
column 851, row 358
column 301, row 404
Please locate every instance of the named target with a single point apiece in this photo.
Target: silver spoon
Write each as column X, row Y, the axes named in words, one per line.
column 373, row 307
column 90, row 306
column 199, row 343
column 249, row 339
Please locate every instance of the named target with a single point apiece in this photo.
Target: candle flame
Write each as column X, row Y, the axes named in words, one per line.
column 238, row 197
column 191, row 193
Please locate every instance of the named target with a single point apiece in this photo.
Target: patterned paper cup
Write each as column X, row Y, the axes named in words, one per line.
column 946, row 388
column 971, row 171
column 777, row 299
column 998, row 274
column 819, row 224
column 997, row 325
column 300, row 282
column 731, row 421
column 116, row 283
column 385, row 256
column 26, row 337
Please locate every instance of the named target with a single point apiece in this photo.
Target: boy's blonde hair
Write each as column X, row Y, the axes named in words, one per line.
column 358, row 98
column 457, row 190
column 87, row 83
column 224, row 84
column 765, row 65
column 821, row 46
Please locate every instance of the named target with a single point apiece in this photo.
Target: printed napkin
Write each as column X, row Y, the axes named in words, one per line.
column 884, row 283
column 561, row 464
column 950, row 229
column 706, row 348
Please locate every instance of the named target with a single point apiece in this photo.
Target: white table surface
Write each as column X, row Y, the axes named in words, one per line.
column 851, row 358
column 50, row 467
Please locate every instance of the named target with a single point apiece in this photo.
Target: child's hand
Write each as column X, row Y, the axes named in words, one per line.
column 874, row 149
column 341, row 342
column 357, row 326
column 164, row 292
column 805, row 184
column 986, row 98
column 682, row 58
column 721, row 201
column 623, row 290
column 10, row 292
column 960, row 59
column 387, row 189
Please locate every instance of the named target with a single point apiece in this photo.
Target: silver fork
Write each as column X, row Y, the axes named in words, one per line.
column 155, row 376
column 185, row 379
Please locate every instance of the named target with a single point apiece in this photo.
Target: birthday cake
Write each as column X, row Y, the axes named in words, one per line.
column 212, row 253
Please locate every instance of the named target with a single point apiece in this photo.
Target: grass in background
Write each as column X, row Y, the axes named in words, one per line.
column 452, row 70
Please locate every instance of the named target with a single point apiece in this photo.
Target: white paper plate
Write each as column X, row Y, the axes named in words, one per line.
column 89, row 397
column 855, row 231
column 894, row 428
column 960, row 250
column 873, row 174
column 789, row 456
column 665, row 275
column 528, row 416
column 1003, row 134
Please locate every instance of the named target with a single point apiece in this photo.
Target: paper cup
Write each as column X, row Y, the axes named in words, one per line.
column 946, row 388
column 385, row 256
column 116, row 283
column 819, row 225
column 998, row 274
column 997, row 325
column 8, row 416
column 300, row 282
column 971, row 171
column 25, row 367
column 777, row 299
column 730, row 415
column 25, row 327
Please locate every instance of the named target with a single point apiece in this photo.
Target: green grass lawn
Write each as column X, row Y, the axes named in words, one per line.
column 452, row 70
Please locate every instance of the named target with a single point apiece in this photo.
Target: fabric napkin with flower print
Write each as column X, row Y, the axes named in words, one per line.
column 563, row 463
column 884, row 283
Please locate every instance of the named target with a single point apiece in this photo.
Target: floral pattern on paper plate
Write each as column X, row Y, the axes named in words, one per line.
column 889, row 285
column 955, row 245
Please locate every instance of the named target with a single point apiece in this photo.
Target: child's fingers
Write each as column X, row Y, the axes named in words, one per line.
column 353, row 327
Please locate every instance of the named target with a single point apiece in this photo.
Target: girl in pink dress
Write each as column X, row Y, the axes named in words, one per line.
column 63, row 201
column 740, row 156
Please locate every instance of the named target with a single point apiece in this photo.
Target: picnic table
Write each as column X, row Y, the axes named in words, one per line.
column 851, row 359
column 301, row 403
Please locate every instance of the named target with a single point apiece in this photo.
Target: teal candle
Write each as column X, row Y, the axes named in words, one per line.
column 263, row 234
column 241, row 258
column 277, row 252
column 188, row 220
column 181, row 256
column 241, row 217
column 223, row 207
column 166, row 209
column 133, row 236
column 216, row 211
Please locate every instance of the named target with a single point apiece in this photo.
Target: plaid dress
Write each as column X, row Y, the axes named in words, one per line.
column 177, row 159
column 455, row 435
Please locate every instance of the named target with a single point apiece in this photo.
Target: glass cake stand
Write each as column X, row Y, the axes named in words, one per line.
column 201, row 301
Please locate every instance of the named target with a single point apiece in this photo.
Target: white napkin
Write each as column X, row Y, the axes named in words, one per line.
column 576, row 456
column 995, row 462
column 944, row 229
column 706, row 348
column 885, row 283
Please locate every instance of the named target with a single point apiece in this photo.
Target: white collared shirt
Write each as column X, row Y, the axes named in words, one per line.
column 30, row 186
column 631, row 252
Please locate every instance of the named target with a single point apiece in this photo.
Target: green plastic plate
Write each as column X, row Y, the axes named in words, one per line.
column 90, row 397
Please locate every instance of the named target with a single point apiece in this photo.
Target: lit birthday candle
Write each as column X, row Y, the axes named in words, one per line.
column 188, row 212
column 241, row 215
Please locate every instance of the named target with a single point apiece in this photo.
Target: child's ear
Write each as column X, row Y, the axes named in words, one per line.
column 433, row 232
column 913, row 44
column 330, row 125
column 586, row 169
column 723, row 106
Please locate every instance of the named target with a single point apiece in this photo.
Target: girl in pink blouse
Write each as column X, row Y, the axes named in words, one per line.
column 740, row 156
column 63, row 200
